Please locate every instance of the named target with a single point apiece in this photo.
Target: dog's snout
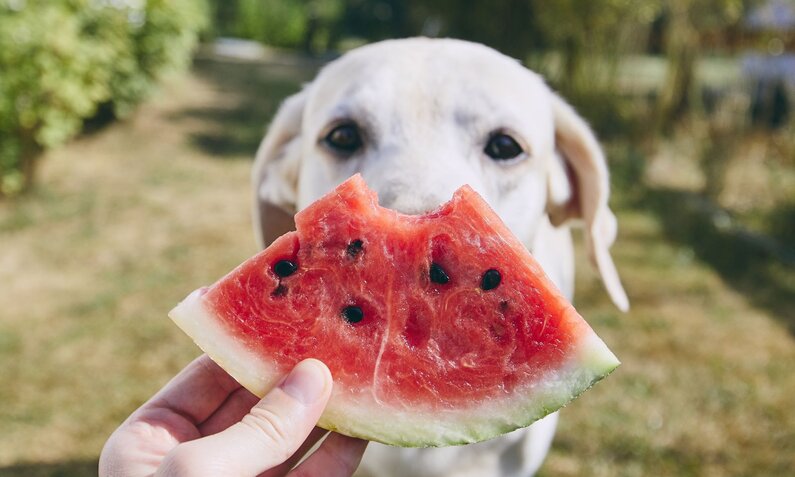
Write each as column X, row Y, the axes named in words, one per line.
column 413, row 202
column 413, row 181
column 413, row 196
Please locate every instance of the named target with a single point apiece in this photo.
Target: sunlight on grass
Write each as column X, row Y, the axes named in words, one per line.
column 702, row 389
column 130, row 219
column 125, row 223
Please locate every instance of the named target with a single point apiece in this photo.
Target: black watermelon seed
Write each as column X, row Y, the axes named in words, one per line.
column 284, row 268
column 354, row 248
column 438, row 274
column 491, row 279
column 352, row 314
column 280, row 290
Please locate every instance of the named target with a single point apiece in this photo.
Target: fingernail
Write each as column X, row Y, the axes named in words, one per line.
column 307, row 381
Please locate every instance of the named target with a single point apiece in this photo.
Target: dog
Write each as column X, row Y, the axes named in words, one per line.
column 419, row 118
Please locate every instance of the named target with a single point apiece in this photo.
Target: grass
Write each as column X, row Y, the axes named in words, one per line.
column 129, row 219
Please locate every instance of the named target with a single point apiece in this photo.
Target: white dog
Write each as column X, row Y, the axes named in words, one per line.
column 418, row 118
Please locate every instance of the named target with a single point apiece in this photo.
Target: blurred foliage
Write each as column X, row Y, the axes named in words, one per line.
column 287, row 24
column 644, row 73
column 60, row 60
column 515, row 27
column 271, row 21
column 576, row 44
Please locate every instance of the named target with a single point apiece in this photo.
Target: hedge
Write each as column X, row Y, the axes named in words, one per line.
column 60, row 60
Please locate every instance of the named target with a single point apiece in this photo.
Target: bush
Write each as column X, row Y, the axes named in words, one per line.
column 61, row 59
column 274, row 22
column 303, row 24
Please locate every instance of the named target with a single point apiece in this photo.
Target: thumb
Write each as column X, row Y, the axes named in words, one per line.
column 266, row 437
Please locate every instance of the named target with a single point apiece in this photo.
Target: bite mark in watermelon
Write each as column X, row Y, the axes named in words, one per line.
column 439, row 329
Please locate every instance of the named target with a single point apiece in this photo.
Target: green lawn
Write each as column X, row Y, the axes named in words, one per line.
column 128, row 220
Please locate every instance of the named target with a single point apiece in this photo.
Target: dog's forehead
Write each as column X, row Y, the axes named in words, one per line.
column 423, row 78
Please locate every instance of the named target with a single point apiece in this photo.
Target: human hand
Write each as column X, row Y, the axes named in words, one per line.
column 204, row 423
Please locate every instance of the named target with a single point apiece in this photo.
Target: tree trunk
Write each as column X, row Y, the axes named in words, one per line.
column 29, row 154
column 572, row 59
column 682, row 46
column 312, row 25
column 715, row 160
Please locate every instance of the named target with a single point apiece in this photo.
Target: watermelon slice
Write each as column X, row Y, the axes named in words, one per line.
column 439, row 329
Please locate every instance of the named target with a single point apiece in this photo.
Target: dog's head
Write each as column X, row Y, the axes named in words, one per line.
column 418, row 118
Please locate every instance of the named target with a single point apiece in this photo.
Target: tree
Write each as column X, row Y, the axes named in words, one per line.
column 688, row 22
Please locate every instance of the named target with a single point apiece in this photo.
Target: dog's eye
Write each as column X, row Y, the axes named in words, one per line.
column 502, row 147
column 344, row 138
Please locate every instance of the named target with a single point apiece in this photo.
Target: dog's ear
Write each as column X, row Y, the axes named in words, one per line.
column 275, row 172
column 578, row 189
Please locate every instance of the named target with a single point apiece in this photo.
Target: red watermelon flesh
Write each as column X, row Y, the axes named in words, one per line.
column 438, row 329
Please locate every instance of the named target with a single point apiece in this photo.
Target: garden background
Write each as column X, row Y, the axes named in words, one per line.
column 127, row 130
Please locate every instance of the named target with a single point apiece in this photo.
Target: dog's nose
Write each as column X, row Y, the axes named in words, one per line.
column 412, row 202
column 410, row 188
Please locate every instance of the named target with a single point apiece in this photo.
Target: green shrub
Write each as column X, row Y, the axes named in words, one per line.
column 61, row 59
column 275, row 22
column 298, row 24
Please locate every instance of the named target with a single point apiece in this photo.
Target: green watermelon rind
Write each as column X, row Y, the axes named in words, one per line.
column 364, row 417
column 479, row 422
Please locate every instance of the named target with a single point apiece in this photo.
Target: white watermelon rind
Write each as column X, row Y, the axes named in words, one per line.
column 365, row 418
